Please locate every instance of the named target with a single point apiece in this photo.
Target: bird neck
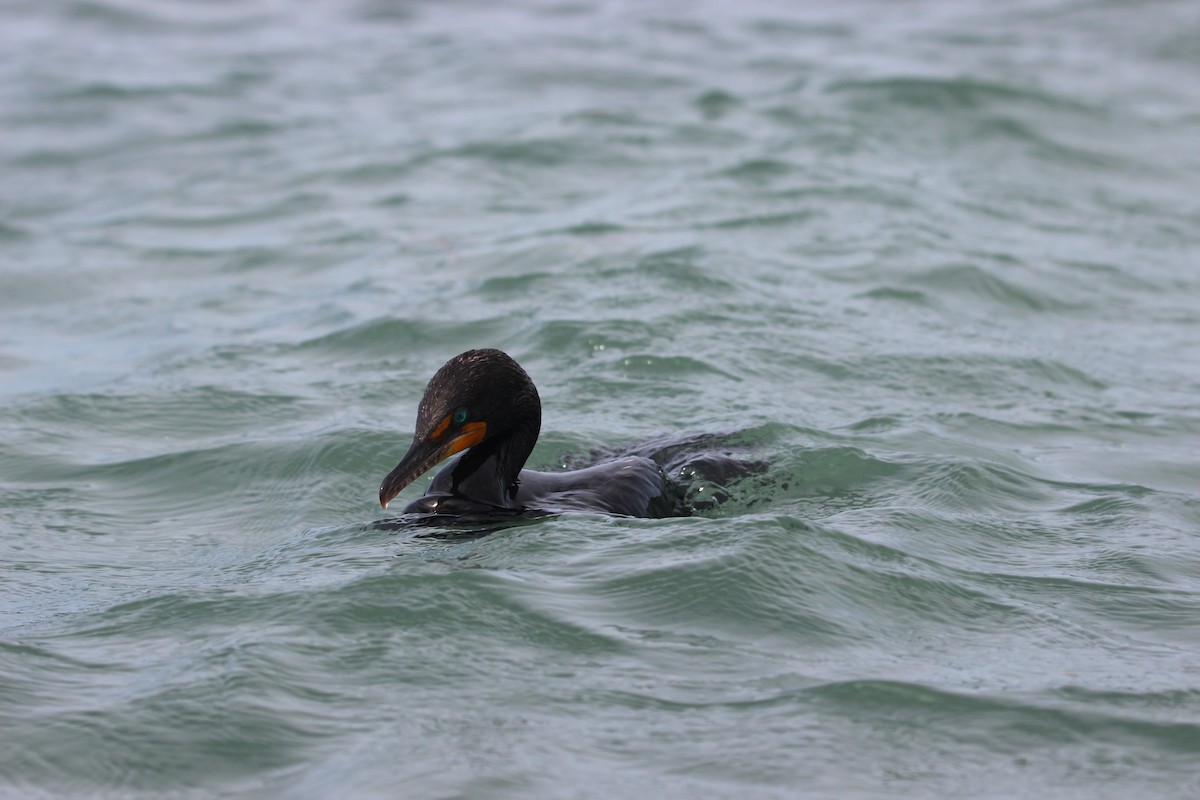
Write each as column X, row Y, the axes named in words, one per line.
column 489, row 471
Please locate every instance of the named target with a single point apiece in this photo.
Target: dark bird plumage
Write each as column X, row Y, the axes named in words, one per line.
column 483, row 406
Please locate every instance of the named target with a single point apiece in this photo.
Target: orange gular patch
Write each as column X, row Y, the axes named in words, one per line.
column 471, row 434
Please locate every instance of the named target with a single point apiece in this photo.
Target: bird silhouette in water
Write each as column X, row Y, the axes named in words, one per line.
column 483, row 407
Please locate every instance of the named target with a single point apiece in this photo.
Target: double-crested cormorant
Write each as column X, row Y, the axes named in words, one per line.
column 483, row 403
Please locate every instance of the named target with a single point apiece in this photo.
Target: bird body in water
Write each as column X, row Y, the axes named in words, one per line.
column 482, row 406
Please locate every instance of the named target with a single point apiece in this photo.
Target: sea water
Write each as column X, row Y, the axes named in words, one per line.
column 930, row 270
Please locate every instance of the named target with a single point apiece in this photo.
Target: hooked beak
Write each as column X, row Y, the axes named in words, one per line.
column 428, row 451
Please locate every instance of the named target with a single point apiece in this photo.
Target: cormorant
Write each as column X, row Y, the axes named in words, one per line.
column 482, row 402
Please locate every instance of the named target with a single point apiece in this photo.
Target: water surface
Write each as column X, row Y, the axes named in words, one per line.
column 933, row 264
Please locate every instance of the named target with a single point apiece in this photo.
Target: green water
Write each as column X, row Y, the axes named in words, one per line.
column 932, row 265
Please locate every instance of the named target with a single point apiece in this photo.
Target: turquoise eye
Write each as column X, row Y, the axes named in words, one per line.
column 459, row 416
